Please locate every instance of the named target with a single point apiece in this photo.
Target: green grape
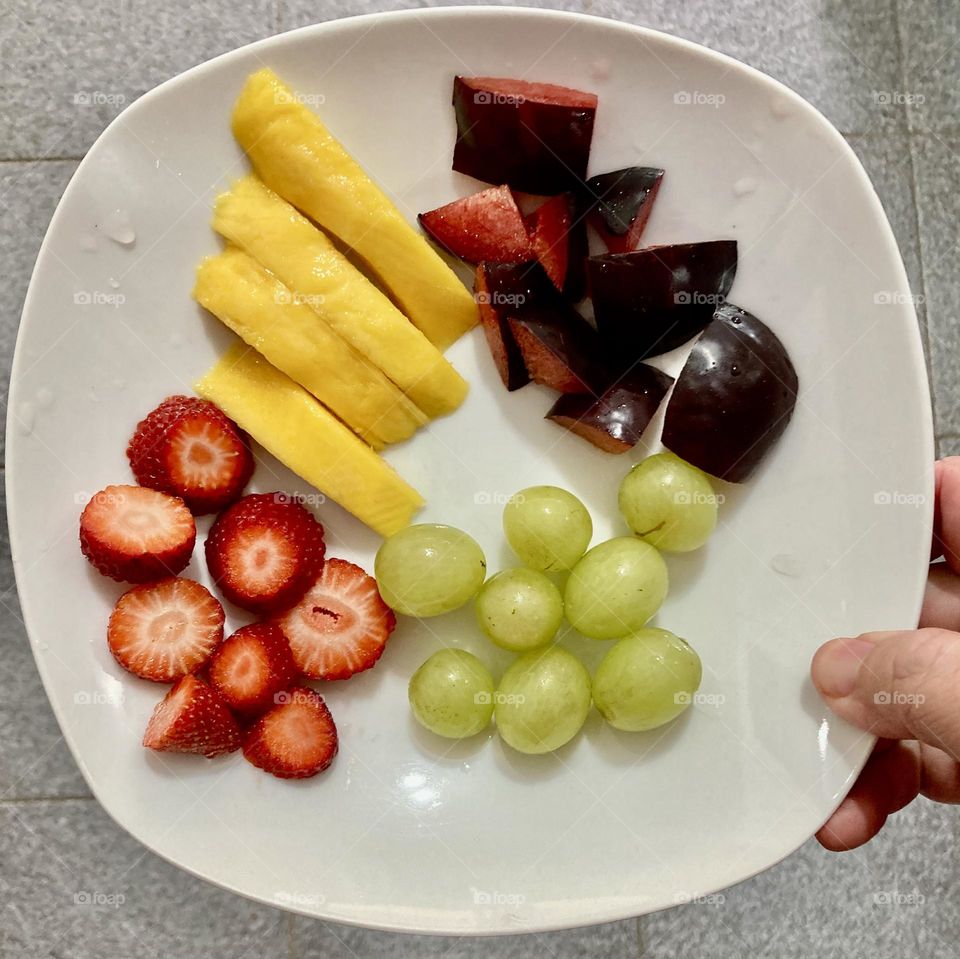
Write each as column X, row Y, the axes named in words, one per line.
column 668, row 503
column 615, row 588
column 547, row 527
column 428, row 569
column 543, row 700
column 519, row 609
column 451, row 694
column 646, row 680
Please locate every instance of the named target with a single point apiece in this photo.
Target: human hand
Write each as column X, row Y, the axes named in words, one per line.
column 904, row 687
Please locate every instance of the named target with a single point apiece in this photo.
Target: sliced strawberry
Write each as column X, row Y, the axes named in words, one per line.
column 487, row 226
column 188, row 447
column 135, row 535
column 162, row 631
column 252, row 666
column 549, row 228
column 265, row 551
column 294, row 740
column 192, row 718
column 342, row 624
column 621, row 202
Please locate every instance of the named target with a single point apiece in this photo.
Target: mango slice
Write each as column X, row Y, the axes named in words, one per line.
column 288, row 422
column 298, row 157
column 266, row 315
column 287, row 244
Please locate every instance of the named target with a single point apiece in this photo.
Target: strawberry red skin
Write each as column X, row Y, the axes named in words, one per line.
column 268, row 647
column 151, row 452
column 112, row 558
column 275, row 515
column 270, row 747
column 192, row 718
column 487, row 226
column 549, row 227
column 150, row 664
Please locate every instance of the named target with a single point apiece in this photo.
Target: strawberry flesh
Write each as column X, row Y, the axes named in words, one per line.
column 189, row 448
column 621, row 203
column 136, row 535
column 192, row 718
column 487, row 226
column 294, row 740
column 162, row 631
column 250, row 667
column 341, row 625
column 264, row 552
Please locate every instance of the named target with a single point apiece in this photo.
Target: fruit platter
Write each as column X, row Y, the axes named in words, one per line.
column 431, row 532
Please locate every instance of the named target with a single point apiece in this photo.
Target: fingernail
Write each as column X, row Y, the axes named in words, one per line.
column 837, row 665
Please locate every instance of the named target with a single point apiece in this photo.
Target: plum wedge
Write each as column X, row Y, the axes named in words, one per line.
column 549, row 227
column 734, row 396
column 652, row 300
column 533, row 136
column 502, row 289
column 621, row 202
column 485, row 227
column 615, row 420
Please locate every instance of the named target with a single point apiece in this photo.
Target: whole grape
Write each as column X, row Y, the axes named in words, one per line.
column 547, row 527
column 451, row 694
column 519, row 609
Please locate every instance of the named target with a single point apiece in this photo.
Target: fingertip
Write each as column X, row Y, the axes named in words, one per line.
column 853, row 824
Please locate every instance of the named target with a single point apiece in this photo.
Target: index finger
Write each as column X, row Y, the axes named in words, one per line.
column 946, row 513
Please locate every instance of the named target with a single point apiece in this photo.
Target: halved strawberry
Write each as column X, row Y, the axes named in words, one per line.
column 192, row 718
column 250, row 667
column 135, row 535
column 188, row 447
column 487, row 226
column 549, row 229
column 162, row 631
column 294, row 740
column 342, row 624
column 265, row 551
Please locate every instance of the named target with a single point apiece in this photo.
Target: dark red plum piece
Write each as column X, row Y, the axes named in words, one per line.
column 614, row 421
column 502, row 289
column 734, row 397
column 621, row 202
column 533, row 136
column 549, row 228
column 485, row 227
column 575, row 285
column 560, row 349
column 655, row 299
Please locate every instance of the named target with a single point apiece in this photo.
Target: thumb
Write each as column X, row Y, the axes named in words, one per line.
column 896, row 685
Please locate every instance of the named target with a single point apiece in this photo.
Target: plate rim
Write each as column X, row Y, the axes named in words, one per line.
column 584, row 916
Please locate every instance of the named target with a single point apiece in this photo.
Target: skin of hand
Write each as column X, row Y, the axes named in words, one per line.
column 904, row 687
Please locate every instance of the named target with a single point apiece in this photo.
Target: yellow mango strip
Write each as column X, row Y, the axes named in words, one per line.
column 305, row 436
column 298, row 157
column 266, row 315
column 266, row 227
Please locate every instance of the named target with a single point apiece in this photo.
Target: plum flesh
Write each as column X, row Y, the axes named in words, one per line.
column 621, row 202
column 533, row 136
column 733, row 398
column 653, row 300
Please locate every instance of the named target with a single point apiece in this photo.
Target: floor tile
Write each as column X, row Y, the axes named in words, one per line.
column 67, row 69
column 842, row 56
column 931, row 57
column 938, row 196
column 897, row 896
column 75, row 886
column 34, row 760
column 316, row 940
column 28, row 196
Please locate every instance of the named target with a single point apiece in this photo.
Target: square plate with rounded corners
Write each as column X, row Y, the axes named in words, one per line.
column 407, row 832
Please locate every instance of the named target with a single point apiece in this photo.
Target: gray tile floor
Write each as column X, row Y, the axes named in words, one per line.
column 72, row 884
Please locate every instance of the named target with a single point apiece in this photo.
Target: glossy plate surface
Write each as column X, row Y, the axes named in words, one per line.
column 829, row 538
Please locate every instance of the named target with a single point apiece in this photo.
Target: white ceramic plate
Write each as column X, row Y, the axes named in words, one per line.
column 407, row 832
